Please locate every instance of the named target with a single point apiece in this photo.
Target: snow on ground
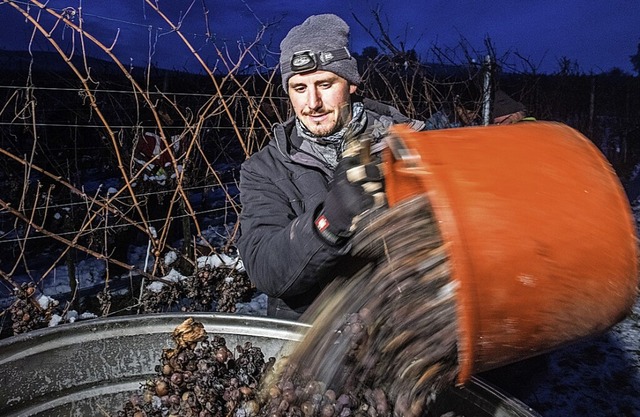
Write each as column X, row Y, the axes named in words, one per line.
column 597, row 377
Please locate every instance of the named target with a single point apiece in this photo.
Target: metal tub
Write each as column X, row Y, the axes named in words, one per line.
column 90, row 368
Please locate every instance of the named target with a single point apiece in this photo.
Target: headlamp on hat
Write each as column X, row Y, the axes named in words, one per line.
column 305, row 61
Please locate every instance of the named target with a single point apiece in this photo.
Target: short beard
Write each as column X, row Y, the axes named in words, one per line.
column 344, row 116
column 322, row 131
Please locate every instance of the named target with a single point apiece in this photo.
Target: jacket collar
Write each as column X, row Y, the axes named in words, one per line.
column 286, row 139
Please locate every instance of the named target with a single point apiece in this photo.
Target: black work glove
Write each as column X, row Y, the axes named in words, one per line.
column 355, row 189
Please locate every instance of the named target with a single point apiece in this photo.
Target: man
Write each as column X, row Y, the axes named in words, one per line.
column 508, row 111
column 300, row 195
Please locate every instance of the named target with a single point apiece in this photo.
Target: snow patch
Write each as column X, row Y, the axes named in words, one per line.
column 221, row 260
column 172, row 276
column 45, row 302
column 170, row 257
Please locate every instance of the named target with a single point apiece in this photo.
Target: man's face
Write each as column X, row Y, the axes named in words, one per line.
column 321, row 100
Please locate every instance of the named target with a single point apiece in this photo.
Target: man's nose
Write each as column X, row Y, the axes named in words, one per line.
column 314, row 101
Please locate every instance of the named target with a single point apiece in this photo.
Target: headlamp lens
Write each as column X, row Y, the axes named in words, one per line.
column 303, row 61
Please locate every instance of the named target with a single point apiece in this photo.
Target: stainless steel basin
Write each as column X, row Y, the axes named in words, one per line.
column 90, row 368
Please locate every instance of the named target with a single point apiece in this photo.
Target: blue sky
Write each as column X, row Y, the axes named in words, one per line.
column 598, row 35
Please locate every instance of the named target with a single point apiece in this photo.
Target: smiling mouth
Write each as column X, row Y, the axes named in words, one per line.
column 317, row 117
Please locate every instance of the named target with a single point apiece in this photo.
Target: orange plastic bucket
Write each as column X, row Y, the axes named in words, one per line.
column 539, row 230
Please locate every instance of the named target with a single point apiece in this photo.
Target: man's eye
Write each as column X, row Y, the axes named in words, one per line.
column 325, row 85
column 299, row 89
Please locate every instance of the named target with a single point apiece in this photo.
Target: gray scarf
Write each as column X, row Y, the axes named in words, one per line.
column 329, row 148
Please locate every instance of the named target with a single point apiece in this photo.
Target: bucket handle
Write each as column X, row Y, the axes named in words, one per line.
column 409, row 157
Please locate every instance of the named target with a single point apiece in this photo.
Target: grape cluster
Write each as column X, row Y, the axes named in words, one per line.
column 164, row 299
column 232, row 287
column 201, row 377
column 26, row 313
column 218, row 288
column 200, row 289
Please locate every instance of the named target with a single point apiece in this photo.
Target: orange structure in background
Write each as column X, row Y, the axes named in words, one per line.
column 540, row 234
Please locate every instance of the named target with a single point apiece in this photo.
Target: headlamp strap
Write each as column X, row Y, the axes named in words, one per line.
column 327, row 57
column 304, row 61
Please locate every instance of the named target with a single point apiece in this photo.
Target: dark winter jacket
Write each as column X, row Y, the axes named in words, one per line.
column 282, row 191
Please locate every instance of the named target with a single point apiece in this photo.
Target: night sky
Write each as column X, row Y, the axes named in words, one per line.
column 598, row 35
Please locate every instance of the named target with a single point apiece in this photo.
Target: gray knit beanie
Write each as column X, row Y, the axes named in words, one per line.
column 326, row 37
